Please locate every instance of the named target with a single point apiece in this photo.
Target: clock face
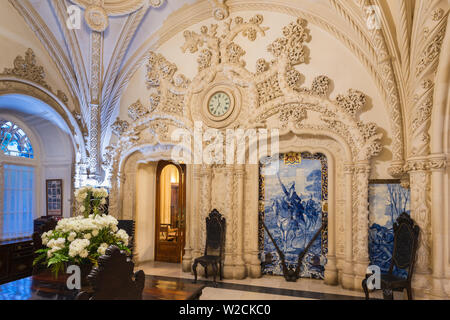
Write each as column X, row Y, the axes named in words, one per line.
column 219, row 104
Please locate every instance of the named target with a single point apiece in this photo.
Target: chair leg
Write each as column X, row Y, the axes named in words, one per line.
column 194, row 269
column 214, row 268
column 366, row 290
column 206, row 271
column 220, row 271
column 388, row 294
column 409, row 292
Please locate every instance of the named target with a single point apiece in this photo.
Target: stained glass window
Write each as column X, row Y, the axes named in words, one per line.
column 14, row 141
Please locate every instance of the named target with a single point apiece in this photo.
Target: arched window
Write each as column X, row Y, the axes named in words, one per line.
column 18, row 176
column 14, row 141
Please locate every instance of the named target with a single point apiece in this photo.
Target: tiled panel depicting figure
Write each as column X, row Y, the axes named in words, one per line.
column 293, row 206
column 387, row 200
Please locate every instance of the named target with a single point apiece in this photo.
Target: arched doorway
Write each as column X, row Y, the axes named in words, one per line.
column 170, row 211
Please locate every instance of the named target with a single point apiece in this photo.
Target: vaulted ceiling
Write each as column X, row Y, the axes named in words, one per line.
column 97, row 60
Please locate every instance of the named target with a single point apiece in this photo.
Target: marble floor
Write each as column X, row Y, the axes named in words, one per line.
column 265, row 288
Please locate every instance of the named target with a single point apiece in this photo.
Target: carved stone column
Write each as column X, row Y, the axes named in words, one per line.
column 239, row 265
column 420, row 212
column 438, row 165
column 205, row 206
column 347, row 272
column 192, row 218
column 96, row 41
column 252, row 221
column 115, row 195
column 187, row 257
column 331, row 272
column 129, row 197
column 94, row 141
column 361, row 223
column 231, row 223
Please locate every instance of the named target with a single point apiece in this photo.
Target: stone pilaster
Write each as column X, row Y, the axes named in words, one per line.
column 437, row 165
column 239, row 269
column 361, row 223
column 231, row 219
column 420, row 212
column 347, row 270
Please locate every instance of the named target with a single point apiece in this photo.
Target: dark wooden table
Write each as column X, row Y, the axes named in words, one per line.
column 45, row 287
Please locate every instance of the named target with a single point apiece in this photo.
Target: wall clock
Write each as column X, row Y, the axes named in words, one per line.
column 221, row 105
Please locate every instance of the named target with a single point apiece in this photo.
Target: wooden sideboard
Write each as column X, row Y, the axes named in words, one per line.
column 16, row 259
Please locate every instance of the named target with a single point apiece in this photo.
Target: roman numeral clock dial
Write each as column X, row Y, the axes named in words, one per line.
column 219, row 104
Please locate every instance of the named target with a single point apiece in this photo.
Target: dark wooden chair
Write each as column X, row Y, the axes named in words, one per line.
column 129, row 227
column 114, row 279
column 49, row 224
column 406, row 235
column 215, row 241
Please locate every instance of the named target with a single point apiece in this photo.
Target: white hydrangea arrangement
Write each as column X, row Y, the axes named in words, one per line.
column 81, row 239
column 90, row 200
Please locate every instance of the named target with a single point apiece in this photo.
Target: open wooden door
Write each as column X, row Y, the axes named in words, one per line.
column 170, row 211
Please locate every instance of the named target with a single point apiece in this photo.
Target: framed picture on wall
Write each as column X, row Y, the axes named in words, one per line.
column 54, row 189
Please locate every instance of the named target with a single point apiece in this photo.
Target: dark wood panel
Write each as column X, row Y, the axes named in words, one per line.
column 16, row 259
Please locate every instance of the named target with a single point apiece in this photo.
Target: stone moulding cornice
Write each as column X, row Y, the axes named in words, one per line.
column 434, row 162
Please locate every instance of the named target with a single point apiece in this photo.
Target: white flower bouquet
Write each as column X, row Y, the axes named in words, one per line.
column 90, row 200
column 82, row 239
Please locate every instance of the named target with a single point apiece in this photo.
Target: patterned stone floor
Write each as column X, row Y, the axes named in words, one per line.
column 264, row 288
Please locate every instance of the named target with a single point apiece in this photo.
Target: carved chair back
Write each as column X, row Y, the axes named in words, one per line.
column 50, row 224
column 406, row 236
column 215, row 233
column 114, row 279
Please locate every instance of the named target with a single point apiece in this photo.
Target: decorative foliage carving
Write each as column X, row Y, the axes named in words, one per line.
column 261, row 66
column 137, row 110
column 119, row 127
column 423, row 113
column 291, row 45
column 26, row 68
column 170, row 87
column 294, row 78
column 432, row 51
column 173, row 103
column 204, row 59
column 352, row 102
column 437, row 14
column 62, row 96
column 222, row 48
column 320, row 86
column 220, row 9
column 269, row 90
column 234, row 54
column 294, row 113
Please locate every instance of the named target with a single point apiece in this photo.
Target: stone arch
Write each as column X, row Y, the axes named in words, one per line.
column 346, row 206
column 13, row 85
